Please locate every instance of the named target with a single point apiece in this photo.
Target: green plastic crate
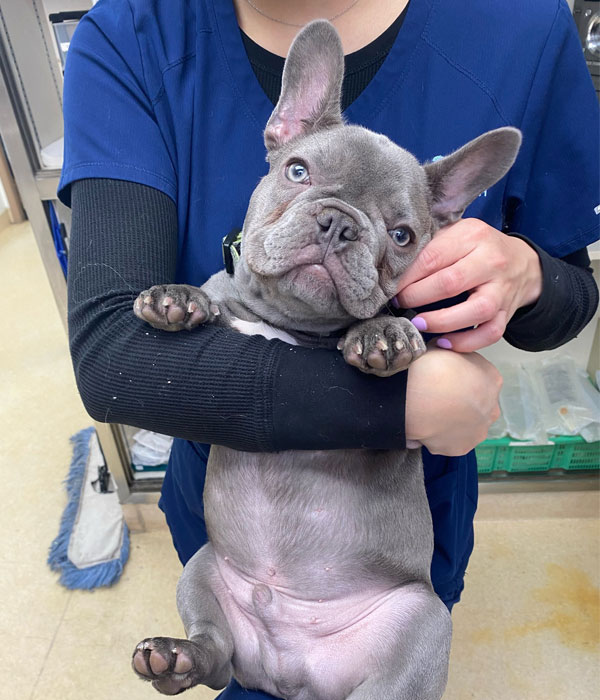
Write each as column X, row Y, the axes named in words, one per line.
column 565, row 452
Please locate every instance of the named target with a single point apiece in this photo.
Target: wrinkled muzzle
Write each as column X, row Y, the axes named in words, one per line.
column 316, row 239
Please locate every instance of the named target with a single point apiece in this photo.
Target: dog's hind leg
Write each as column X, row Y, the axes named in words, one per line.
column 417, row 668
column 205, row 657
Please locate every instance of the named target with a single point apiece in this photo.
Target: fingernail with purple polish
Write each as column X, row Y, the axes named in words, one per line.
column 444, row 343
column 395, row 302
column 419, row 323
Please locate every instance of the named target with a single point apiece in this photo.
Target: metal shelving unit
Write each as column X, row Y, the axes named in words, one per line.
column 30, row 120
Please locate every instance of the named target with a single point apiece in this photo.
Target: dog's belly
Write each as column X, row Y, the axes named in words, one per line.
column 325, row 522
column 310, row 579
column 309, row 649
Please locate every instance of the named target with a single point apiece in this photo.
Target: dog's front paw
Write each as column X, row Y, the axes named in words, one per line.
column 382, row 346
column 172, row 665
column 174, row 307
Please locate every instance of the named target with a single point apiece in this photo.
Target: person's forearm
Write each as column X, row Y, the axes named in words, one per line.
column 568, row 301
column 124, row 237
column 210, row 385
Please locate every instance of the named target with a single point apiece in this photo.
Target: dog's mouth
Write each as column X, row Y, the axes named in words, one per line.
column 330, row 290
column 313, row 280
column 316, row 271
column 337, row 282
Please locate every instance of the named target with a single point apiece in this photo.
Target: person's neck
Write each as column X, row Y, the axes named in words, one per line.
column 264, row 21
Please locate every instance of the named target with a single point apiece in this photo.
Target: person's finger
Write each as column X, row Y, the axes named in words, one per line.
column 445, row 249
column 484, row 335
column 483, row 305
column 460, row 276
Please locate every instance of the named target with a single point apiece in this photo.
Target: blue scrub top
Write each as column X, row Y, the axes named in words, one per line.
column 161, row 92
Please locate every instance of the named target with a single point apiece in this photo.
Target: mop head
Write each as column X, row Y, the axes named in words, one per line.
column 92, row 545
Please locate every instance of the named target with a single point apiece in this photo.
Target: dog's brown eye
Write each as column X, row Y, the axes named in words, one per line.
column 401, row 236
column 297, row 172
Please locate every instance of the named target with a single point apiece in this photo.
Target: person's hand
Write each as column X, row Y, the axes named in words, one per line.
column 502, row 274
column 451, row 401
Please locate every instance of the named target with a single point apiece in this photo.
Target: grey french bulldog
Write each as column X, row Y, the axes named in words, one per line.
column 315, row 583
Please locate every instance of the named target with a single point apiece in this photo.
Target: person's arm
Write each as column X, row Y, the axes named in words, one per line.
column 218, row 386
column 568, row 301
column 516, row 289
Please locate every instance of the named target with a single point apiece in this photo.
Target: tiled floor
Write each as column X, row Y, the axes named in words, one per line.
column 527, row 629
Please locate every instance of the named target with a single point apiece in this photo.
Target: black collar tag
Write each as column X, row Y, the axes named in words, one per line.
column 232, row 245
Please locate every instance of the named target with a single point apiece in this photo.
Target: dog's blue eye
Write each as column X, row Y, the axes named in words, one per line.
column 400, row 236
column 297, row 172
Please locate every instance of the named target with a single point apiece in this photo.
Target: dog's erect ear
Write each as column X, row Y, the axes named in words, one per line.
column 456, row 180
column 311, row 86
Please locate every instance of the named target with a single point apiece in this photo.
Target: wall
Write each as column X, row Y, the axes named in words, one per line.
column 3, row 200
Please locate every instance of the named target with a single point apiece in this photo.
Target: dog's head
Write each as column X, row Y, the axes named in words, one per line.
column 343, row 211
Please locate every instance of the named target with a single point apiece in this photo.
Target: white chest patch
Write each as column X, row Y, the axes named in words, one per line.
column 262, row 328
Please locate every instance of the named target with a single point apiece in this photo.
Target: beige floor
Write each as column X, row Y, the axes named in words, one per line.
column 527, row 629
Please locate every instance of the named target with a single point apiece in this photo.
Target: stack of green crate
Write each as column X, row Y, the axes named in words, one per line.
column 506, row 454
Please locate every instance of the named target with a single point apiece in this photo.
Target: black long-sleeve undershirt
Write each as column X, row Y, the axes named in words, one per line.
column 218, row 386
column 213, row 384
column 568, row 302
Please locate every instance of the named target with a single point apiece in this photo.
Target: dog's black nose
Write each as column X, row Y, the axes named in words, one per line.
column 337, row 225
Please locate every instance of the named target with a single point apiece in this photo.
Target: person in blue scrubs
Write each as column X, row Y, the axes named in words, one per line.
column 165, row 103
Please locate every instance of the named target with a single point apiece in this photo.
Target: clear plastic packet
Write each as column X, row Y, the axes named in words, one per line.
column 498, row 429
column 520, row 405
column 566, row 408
column 150, row 449
column 591, row 432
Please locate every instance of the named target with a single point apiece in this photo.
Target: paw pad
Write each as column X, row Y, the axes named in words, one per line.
column 166, row 664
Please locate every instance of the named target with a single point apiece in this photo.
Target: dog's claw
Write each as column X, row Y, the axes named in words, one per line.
column 382, row 345
column 174, row 307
